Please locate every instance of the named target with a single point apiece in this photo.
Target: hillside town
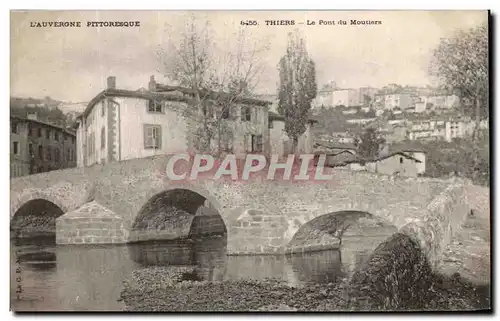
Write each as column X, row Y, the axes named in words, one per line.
column 405, row 118
column 201, row 161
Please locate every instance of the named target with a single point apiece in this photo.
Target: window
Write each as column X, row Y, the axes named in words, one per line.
column 30, row 149
column 90, row 144
column 256, row 143
column 56, row 136
column 39, row 129
column 57, row 155
column 225, row 112
column 47, row 133
column 13, row 128
column 30, row 129
column 208, row 111
column 40, row 151
column 227, row 139
column 103, row 138
column 401, row 160
column 49, row 153
column 154, row 106
column 271, row 124
column 246, row 113
column 152, row 136
column 15, row 148
column 103, row 108
column 68, row 158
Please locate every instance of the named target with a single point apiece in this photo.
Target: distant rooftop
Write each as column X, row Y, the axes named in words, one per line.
column 69, row 131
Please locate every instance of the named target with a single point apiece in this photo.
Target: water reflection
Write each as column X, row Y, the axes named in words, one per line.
column 84, row 277
column 317, row 267
column 209, row 255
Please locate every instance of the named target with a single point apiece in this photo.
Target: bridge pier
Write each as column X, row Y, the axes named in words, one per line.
column 90, row 224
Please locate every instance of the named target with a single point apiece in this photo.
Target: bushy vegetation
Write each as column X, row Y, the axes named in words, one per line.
column 461, row 157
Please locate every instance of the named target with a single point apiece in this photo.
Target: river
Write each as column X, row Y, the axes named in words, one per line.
column 89, row 278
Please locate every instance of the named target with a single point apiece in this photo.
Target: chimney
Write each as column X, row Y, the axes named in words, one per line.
column 111, row 82
column 32, row 115
column 152, row 83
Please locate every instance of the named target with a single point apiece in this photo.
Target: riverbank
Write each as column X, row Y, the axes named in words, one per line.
column 177, row 289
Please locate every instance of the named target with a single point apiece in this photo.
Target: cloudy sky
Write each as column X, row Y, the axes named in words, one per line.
column 72, row 63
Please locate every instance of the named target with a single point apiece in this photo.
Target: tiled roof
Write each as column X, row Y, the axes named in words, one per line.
column 212, row 94
column 331, row 146
column 159, row 94
column 66, row 130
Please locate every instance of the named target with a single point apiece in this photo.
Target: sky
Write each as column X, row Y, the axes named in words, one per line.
column 72, row 64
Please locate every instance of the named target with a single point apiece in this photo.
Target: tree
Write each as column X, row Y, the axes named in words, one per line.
column 369, row 144
column 297, row 87
column 217, row 74
column 460, row 64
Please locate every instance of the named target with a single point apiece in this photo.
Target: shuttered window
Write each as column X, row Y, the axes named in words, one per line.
column 152, row 136
column 155, row 106
column 57, row 155
column 256, row 143
column 103, row 138
column 246, row 113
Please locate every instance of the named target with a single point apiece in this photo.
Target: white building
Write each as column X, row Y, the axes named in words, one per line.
column 323, row 99
column 401, row 101
column 345, row 97
column 420, row 106
column 121, row 124
column 124, row 124
column 281, row 144
column 443, row 101
column 360, row 120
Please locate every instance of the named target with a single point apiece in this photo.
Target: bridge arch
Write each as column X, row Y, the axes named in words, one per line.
column 36, row 217
column 30, row 195
column 354, row 234
column 336, row 224
column 175, row 213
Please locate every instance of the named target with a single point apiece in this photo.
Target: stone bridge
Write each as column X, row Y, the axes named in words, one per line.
column 105, row 203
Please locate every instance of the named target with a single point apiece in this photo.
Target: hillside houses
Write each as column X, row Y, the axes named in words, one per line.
column 403, row 162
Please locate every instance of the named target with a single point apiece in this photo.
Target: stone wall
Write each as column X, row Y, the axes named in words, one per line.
column 260, row 216
column 438, row 223
column 207, row 222
column 90, row 224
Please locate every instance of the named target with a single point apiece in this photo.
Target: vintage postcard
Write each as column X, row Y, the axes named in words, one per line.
column 249, row 161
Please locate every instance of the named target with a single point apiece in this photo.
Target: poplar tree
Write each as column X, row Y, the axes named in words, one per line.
column 297, row 87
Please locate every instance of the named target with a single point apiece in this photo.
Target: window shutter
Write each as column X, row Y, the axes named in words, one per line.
column 145, row 134
column 245, row 143
column 159, row 136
